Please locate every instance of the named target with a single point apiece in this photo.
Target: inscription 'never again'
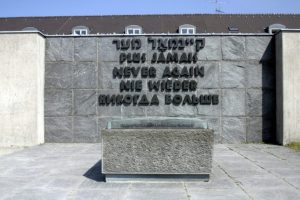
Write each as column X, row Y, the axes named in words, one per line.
column 150, row 72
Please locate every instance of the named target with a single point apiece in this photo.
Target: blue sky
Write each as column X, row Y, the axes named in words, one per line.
column 13, row 8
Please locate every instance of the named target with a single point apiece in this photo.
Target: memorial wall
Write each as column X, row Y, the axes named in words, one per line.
column 227, row 82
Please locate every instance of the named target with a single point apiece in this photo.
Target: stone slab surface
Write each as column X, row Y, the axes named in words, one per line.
column 157, row 151
column 241, row 171
column 240, row 69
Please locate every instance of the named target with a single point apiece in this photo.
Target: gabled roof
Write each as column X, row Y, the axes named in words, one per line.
column 205, row 23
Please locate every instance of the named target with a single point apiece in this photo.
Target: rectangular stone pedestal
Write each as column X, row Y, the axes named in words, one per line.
column 157, row 153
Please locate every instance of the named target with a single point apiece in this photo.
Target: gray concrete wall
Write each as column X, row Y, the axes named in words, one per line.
column 288, row 86
column 22, row 89
column 240, row 69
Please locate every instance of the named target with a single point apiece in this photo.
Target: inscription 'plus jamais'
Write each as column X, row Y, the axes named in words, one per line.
column 180, row 73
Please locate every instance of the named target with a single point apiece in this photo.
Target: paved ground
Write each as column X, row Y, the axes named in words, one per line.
column 9, row 150
column 72, row 171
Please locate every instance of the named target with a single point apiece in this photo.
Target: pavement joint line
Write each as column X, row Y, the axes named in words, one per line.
column 277, row 157
column 186, row 191
column 238, row 183
column 270, row 153
column 73, row 190
column 269, row 171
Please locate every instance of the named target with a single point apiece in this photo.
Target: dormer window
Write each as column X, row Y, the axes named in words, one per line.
column 233, row 29
column 187, row 29
column 133, row 30
column 80, row 30
column 30, row 28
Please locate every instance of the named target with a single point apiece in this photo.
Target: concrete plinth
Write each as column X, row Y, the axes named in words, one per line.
column 153, row 152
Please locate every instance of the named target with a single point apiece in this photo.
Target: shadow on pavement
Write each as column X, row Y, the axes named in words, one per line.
column 95, row 173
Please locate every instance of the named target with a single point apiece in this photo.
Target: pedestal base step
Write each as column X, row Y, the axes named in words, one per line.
column 156, row 178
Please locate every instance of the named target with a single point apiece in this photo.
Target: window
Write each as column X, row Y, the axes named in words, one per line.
column 80, row 30
column 133, row 30
column 233, row 29
column 187, row 29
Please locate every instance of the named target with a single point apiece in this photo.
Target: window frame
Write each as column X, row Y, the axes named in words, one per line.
column 81, row 30
column 133, row 29
column 187, row 29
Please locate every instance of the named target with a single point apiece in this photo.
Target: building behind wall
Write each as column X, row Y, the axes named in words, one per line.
column 239, row 62
column 158, row 24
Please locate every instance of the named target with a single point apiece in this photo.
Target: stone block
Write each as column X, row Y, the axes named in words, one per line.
column 171, row 110
column 58, row 75
column 85, row 75
column 85, row 102
column 211, row 50
column 260, row 102
column 105, row 76
column 209, row 110
column 260, row 75
column 157, row 151
column 161, row 109
column 58, row 102
column 254, row 102
column 86, row 129
column 233, row 130
column 260, row 129
column 259, row 48
column 108, row 110
column 211, row 75
column 59, row 49
column 58, row 129
column 233, row 48
column 182, row 110
column 85, row 49
column 131, row 111
column 233, row 74
column 233, row 102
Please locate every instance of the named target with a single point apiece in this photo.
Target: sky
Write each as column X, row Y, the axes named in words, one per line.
column 15, row 8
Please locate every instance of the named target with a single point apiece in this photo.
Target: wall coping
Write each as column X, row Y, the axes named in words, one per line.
column 144, row 34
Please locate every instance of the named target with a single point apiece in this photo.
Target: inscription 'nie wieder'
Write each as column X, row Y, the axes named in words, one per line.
column 166, row 84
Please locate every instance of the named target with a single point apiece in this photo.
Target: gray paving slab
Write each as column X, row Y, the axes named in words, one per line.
column 217, row 194
column 8, row 150
column 73, row 171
